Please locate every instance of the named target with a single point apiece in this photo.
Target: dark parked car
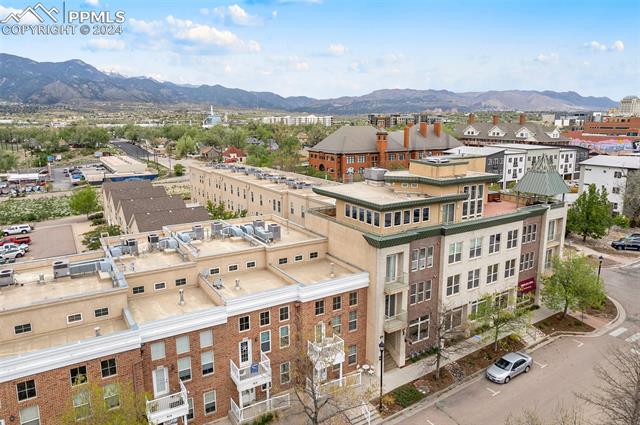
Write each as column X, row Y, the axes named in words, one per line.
column 629, row 243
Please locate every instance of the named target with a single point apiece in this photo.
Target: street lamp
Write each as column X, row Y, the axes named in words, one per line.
column 600, row 258
column 381, row 346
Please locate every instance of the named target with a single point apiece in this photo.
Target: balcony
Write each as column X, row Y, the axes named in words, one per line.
column 553, row 238
column 253, row 375
column 396, row 284
column 168, row 408
column 396, row 322
column 331, row 387
column 329, row 350
column 255, row 410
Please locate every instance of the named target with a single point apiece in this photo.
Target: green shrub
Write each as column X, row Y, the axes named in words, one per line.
column 30, row 210
column 407, row 395
column 264, row 419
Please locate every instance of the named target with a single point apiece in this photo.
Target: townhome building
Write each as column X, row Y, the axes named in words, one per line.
column 610, row 173
column 499, row 160
column 482, row 134
column 207, row 318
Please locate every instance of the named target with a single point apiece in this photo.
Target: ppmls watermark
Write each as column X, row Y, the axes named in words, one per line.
column 40, row 20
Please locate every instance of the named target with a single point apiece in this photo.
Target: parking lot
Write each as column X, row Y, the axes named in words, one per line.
column 51, row 241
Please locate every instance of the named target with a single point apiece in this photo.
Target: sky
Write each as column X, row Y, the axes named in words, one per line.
column 332, row 48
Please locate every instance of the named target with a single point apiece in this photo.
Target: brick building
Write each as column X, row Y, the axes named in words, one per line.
column 614, row 126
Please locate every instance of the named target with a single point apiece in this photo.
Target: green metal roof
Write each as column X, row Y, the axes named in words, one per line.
column 446, row 181
column 542, row 179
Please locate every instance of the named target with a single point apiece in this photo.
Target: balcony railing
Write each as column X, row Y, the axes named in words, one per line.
column 252, row 375
column 251, row 412
column 396, row 283
column 330, row 387
column 168, row 408
column 329, row 350
column 396, row 322
column 554, row 237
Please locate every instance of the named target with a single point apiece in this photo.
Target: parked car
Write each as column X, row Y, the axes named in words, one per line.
column 629, row 243
column 12, row 255
column 14, row 246
column 17, row 229
column 15, row 239
column 509, row 366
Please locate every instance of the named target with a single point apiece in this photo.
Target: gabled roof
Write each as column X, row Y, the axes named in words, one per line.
column 542, row 179
column 164, row 203
column 511, row 129
column 148, row 221
column 233, row 150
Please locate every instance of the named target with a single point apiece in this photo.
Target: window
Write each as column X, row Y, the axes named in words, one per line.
column 209, row 402
column 265, row 318
column 361, row 158
column 72, row 318
column 419, row 292
column 510, row 268
column 425, row 214
column 526, row 261
column 284, row 336
column 206, row 362
column 21, row 329
column 285, row 373
column 284, row 313
column 233, row 267
column 361, row 214
column 473, row 279
column 26, row 390
column 353, row 355
column 157, row 351
column 78, row 375
column 215, row 270
column 428, row 252
column 472, row 206
column 475, row 250
column 353, row 320
column 350, row 159
column 476, row 307
column 453, row 284
column 387, row 219
column 502, row 300
column 453, row 318
column 353, row 299
column 336, row 325
column 492, row 273
column 337, row 303
column 397, row 218
column 108, row 367
column 529, row 233
column 206, row 339
column 100, row 312
column 81, row 404
column 182, row 344
column 455, row 252
column 416, row 215
column 159, row 286
column 184, row 368
column 265, row 341
column 419, row 328
column 617, row 174
column 354, row 212
column 494, row 243
column 548, row 256
column 407, row 216
column 30, row 416
column 111, row 397
column 551, row 234
column 376, row 219
column 512, row 239
column 615, row 190
column 319, row 307
column 181, row 282
column 313, row 255
column 282, row 260
column 297, row 258
column 347, row 210
column 414, row 260
column 392, row 157
column 244, row 323
column 190, row 411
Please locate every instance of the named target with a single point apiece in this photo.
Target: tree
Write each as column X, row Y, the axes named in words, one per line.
column 632, row 197
column 185, row 145
column 84, row 201
column 446, row 327
column 590, row 216
column 218, row 212
column 573, row 283
column 179, row 169
column 618, row 394
column 96, row 405
column 259, row 156
column 493, row 315
column 8, row 161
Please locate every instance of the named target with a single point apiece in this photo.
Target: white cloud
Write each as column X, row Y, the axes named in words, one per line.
column 218, row 11
column 204, row 11
column 596, row 45
column 356, row 66
column 94, row 3
column 191, row 32
column 300, row 65
column 274, row 14
column 106, row 44
column 239, row 16
column 618, row 45
column 337, row 49
column 145, row 27
column 228, row 69
column 116, row 69
column 546, row 58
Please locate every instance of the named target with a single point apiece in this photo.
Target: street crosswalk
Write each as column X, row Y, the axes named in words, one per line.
column 622, row 332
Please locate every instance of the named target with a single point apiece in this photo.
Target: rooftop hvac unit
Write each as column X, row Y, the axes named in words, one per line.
column 198, row 231
column 60, row 269
column 232, row 231
column 436, row 160
column 274, row 229
column 247, row 228
column 184, row 236
column 216, row 229
column 153, row 238
column 263, row 235
column 375, row 174
column 132, row 244
column 115, row 251
column 218, row 282
column 6, row 278
column 258, row 223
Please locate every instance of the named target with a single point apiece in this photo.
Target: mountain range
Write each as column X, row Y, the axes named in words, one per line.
column 74, row 82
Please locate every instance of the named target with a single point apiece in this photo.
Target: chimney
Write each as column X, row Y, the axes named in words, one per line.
column 381, row 144
column 437, row 128
column 496, row 120
column 423, row 129
column 406, row 137
column 333, row 273
column 471, row 119
column 523, row 119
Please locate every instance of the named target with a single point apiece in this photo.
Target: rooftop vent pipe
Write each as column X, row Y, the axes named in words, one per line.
column 181, row 292
column 333, row 273
column 237, row 287
column 97, row 329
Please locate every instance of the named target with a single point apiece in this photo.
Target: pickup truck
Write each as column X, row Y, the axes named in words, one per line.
column 17, row 229
column 11, row 255
column 15, row 239
column 14, row 246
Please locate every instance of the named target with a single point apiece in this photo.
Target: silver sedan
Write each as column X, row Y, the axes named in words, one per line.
column 509, row 366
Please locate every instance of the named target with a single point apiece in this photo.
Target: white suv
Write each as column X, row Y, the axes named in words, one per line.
column 17, row 229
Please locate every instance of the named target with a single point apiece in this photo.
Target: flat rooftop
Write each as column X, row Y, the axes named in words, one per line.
column 499, row 208
column 70, row 335
column 159, row 305
column 380, row 195
column 28, row 291
column 146, row 261
column 251, row 282
column 310, row 272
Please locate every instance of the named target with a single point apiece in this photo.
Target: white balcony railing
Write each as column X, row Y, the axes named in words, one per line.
column 169, row 407
column 329, row 387
column 255, row 410
column 329, row 350
column 396, row 283
column 396, row 322
column 253, row 375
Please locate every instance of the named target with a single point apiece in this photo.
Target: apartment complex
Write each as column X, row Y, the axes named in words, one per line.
column 610, row 173
column 207, row 318
column 630, row 105
column 327, row 121
column 522, row 132
column 614, row 126
column 350, row 150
